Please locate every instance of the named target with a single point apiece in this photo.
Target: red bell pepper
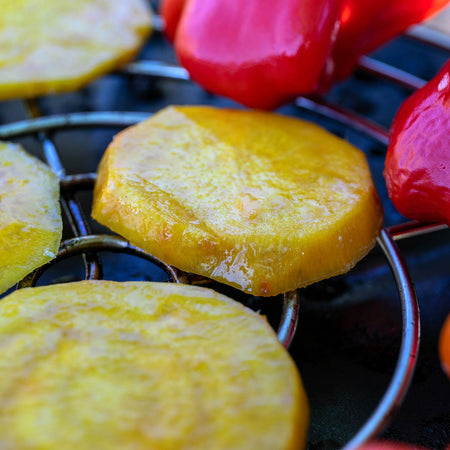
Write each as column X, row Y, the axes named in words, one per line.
column 417, row 167
column 262, row 53
column 171, row 11
column 258, row 52
column 365, row 25
column 389, row 445
column 444, row 346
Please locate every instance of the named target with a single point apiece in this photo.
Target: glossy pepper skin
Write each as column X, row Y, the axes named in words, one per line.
column 171, row 11
column 444, row 346
column 263, row 53
column 365, row 25
column 417, row 166
column 255, row 53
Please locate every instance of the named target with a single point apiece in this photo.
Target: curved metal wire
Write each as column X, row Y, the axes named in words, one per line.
column 429, row 36
column 289, row 318
column 346, row 118
column 69, row 203
column 156, row 69
column 413, row 228
column 73, row 120
column 83, row 244
column 128, row 118
column 93, row 243
column 388, row 72
column 408, row 350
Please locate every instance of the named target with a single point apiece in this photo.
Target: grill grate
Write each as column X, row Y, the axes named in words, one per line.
column 84, row 241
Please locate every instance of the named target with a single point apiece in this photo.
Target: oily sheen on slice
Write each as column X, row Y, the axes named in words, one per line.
column 259, row 201
column 137, row 365
column 30, row 217
column 59, row 45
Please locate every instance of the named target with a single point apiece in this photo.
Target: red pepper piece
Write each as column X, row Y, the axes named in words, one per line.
column 171, row 11
column 444, row 346
column 263, row 53
column 365, row 25
column 417, row 167
column 387, row 445
column 255, row 52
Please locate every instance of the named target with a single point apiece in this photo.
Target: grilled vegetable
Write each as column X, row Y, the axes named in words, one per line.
column 367, row 25
column 171, row 11
column 259, row 201
column 417, row 168
column 262, row 53
column 30, row 218
column 106, row 365
column 444, row 346
column 258, row 53
column 60, row 45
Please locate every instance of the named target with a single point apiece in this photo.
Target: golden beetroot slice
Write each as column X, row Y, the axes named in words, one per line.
column 59, row 45
column 30, row 217
column 136, row 365
column 259, row 201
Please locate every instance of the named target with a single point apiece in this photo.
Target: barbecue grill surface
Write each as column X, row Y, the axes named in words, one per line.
column 350, row 327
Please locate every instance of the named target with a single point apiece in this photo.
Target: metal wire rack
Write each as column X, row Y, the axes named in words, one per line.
column 83, row 242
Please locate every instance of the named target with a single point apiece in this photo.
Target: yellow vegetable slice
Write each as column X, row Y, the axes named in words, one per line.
column 60, row 45
column 30, row 217
column 259, row 201
column 137, row 365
